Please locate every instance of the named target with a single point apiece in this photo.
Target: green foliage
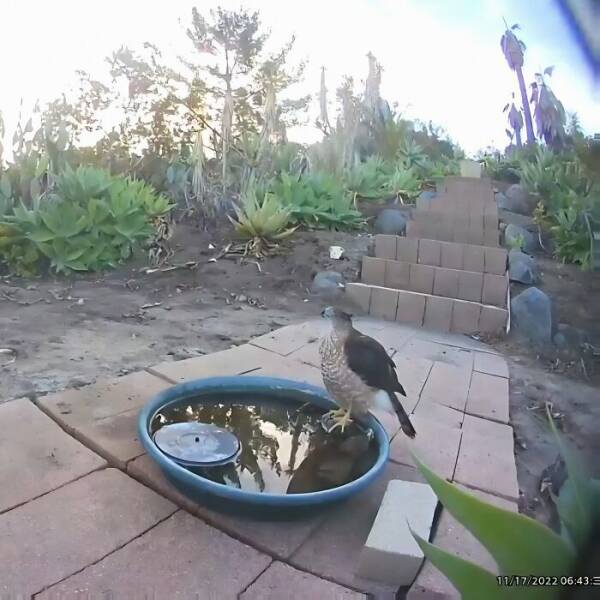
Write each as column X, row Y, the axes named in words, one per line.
column 412, row 155
column 518, row 544
column 317, row 201
column 262, row 216
column 91, row 221
column 501, row 168
column 569, row 202
column 368, row 179
column 404, row 183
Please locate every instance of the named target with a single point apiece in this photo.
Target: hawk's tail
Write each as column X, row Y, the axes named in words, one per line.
column 405, row 423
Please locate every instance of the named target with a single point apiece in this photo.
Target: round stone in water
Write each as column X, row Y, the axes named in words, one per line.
column 197, row 444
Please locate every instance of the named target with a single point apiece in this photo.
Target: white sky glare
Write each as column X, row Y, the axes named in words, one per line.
column 442, row 59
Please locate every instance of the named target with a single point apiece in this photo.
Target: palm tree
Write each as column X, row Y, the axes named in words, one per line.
column 513, row 49
column 515, row 120
column 549, row 113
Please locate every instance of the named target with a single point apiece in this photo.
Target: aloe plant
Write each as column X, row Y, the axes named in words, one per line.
column 368, row 179
column 261, row 215
column 405, row 184
column 521, row 546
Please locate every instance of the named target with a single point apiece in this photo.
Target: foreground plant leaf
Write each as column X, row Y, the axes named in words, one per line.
column 518, row 544
column 472, row 581
column 578, row 498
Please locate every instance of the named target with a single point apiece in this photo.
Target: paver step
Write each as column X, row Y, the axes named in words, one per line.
column 459, row 205
column 428, row 310
column 486, row 288
column 452, row 230
column 452, row 255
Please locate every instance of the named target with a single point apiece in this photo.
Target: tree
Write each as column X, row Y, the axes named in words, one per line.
column 513, row 49
column 162, row 107
column 240, row 77
column 549, row 113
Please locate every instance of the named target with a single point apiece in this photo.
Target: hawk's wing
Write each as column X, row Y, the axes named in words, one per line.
column 369, row 360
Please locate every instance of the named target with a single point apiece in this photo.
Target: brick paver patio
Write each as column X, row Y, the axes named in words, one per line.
column 83, row 510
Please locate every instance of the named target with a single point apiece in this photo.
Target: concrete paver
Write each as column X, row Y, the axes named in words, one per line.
column 391, row 553
column 279, row 537
column 234, row 361
column 486, row 459
column 60, row 533
column 448, row 385
column 443, row 374
column 488, row 397
column 333, row 549
column 490, row 364
column 290, row 369
column 37, row 455
column 282, row 581
column 436, row 444
column 180, row 558
column 103, row 415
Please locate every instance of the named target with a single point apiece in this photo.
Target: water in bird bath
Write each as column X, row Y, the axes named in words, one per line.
column 283, row 447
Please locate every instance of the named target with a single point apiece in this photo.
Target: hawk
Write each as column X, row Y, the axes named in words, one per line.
column 355, row 368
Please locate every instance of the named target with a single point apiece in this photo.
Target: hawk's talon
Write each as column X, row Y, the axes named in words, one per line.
column 340, row 417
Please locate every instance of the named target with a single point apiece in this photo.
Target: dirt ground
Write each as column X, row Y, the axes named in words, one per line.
column 68, row 332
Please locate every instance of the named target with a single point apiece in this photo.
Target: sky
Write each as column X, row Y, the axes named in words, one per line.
column 442, row 59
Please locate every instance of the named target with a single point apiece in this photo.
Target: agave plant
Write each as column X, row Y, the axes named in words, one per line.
column 405, row 184
column 262, row 220
column 521, row 546
column 412, row 155
column 367, row 180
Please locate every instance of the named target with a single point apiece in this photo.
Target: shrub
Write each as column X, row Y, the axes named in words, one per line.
column 317, row 201
column 90, row 221
column 368, row 179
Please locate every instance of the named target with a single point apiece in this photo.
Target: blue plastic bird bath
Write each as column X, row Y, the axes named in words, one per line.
column 269, row 390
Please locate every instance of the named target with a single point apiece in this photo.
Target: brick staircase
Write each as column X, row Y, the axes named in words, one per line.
column 449, row 272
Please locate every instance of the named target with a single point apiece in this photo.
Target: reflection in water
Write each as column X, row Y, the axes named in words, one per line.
column 283, row 446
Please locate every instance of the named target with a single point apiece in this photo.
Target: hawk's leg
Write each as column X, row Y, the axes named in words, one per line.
column 335, row 414
column 341, row 420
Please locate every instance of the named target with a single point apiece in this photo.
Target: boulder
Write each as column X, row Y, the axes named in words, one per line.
column 327, row 282
column 517, row 199
column 523, row 268
column 501, row 201
column 390, row 221
column 568, row 336
column 532, row 315
column 427, row 195
column 518, row 237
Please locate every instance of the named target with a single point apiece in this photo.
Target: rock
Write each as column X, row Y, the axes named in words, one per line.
column 532, row 315
column 517, row 199
column 518, row 237
column 501, row 201
column 427, row 195
column 568, row 336
column 523, row 268
column 390, row 222
column 327, row 282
